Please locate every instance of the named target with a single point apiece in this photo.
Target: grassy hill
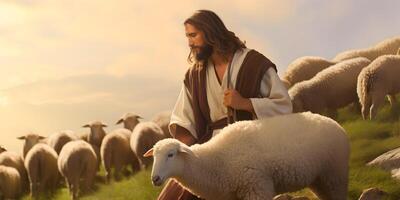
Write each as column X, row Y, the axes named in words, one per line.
column 369, row 139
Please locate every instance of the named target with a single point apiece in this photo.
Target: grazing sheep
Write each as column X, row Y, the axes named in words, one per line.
column 130, row 120
column 10, row 183
column 304, row 68
column 379, row 79
column 30, row 140
column 59, row 139
column 77, row 161
column 14, row 160
column 97, row 132
column 258, row 159
column 40, row 163
column 372, row 194
column 143, row 138
column 162, row 119
column 116, row 153
column 330, row 89
column 385, row 47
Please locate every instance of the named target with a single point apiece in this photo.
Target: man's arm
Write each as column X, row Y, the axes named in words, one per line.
column 182, row 134
column 182, row 119
column 275, row 99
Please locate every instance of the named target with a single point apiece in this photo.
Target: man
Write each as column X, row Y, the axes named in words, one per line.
column 226, row 83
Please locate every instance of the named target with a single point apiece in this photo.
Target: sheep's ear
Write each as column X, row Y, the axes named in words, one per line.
column 120, row 121
column 41, row 137
column 103, row 125
column 148, row 153
column 21, row 137
column 185, row 149
column 86, row 126
column 139, row 117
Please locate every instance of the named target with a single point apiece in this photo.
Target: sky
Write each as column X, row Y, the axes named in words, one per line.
column 65, row 63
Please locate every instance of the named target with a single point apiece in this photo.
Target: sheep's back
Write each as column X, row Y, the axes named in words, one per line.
column 46, row 156
column 305, row 68
column 287, row 139
column 75, row 157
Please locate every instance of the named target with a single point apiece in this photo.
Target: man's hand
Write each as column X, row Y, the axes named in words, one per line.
column 233, row 99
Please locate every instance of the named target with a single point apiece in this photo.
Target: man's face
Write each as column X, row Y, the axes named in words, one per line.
column 196, row 42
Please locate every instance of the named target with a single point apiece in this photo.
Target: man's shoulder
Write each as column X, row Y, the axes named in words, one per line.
column 192, row 72
column 255, row 58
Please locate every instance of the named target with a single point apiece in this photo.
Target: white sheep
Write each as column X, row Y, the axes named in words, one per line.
column 59, row 139
column 97, row 132
column 10, row 183
column 143, row 138
column 116, row 153
column 304, row 68
column 372, row 194
column 130, row 120
column 30, row 140
column 258, row 159
column 330, row 89
column 14, row 160
column 77, row 160
column 41, row 164
column 385, row 47
column 162, row 119
column 379, row 79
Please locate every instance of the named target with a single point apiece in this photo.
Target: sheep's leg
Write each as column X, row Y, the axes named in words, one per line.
column 117, row 171
column 261, row 190
column 255, row 186
column 332, row 186
column 75, row 188
column 70, row 188
column 88, row 181
column 135, row 165
column 34, row 188
column 366, row 107
column 377, row 101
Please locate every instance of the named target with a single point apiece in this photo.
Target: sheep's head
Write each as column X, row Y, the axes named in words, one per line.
column 168, row 159
column 97, row 132
column 2, row 149
column 130, row 120
column 372, row 193
column 30, row 140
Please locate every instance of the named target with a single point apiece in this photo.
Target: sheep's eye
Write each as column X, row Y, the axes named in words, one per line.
column 170, row 155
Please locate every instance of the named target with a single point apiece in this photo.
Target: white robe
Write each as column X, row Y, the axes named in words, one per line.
column 274, row 98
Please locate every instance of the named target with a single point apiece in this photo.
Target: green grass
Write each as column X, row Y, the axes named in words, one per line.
column 135, row 187
column 369, row 139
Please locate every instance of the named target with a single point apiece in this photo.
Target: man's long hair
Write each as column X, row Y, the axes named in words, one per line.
column 216, row 35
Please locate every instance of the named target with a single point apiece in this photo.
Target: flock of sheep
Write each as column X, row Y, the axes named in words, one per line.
column 312, row 152
column 77, row 157
column 365, row 76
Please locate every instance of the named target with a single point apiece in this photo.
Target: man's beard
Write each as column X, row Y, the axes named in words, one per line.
column 204, row 52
